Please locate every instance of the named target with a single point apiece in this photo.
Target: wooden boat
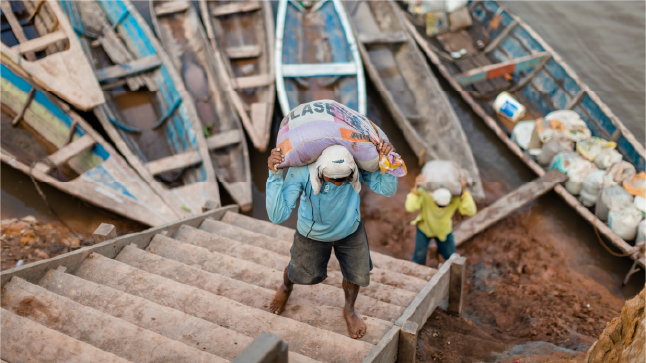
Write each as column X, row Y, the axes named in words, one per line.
column 409, row 89
column 46, row 47
column 536, row 76
column 148, row 113
column 317, row 56
column 242, row 33
column 43, row 138
column 178, row 27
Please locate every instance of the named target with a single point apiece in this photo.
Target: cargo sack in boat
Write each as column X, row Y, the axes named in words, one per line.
column 312, row 127
column 569, row 161
column 640, row 203
column 606, row 158
column 613, row 198
column 574, row 183
column 622, row 171
column 575, row 128
column 592, row 187
column 553, row 147
column 590, row 148
column 442, row 174
column 641, row 233
column 636, row 185
column 625, row 222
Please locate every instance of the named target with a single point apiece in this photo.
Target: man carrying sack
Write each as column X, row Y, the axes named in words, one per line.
column 435, row 219
column 328, row 218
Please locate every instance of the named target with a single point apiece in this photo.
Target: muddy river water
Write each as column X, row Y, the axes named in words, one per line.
column 602, row 41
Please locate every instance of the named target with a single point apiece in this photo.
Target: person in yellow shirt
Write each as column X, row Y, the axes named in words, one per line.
column 435, row 219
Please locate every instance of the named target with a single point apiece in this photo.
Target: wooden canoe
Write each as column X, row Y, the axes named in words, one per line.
column 409, row 89
column 242, row 32
column 148, row 113
column 178, row 27
column 46, row 47
column 317, row 56
column 41, row 136
column 547, row 85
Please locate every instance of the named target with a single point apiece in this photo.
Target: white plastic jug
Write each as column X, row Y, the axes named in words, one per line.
column 506, row 105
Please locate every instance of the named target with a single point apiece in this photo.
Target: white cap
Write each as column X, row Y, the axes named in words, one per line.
column 442, row 197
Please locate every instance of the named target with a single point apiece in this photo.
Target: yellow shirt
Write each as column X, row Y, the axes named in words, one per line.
column 437, row 221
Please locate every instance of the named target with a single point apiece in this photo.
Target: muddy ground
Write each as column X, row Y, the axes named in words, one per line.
column 522, row 295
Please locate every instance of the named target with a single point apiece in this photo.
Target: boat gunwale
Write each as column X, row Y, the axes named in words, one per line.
column 212, row 64
column 396, row 111
column 350, row 39
column 570, row 199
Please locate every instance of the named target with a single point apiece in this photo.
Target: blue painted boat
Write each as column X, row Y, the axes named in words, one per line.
column 42, row 137
column 148, row 113
column 503, row 53
column 317, row 56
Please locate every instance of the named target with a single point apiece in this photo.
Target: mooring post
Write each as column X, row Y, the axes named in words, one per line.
column 407, row 349
column 104, row 232
column 456, row 285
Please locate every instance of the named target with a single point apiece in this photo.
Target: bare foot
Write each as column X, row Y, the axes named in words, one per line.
column 279, row 300
column 356, row 326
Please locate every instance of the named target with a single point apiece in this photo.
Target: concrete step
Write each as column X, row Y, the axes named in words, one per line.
column 320, row 316
column 278, row 262
column 258, row 275
column 103, row 331
column 403, row 272
column 23, row 340
column 173, row 324
column 258, row 226
column 303, row 339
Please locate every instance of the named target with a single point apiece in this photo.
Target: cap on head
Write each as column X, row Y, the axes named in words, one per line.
column 336, row 162
column 442, row 197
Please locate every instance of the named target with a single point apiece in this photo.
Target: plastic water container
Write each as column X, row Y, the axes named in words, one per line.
column 506, row 105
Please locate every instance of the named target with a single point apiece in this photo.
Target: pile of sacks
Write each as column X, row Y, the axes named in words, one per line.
column 595, row 170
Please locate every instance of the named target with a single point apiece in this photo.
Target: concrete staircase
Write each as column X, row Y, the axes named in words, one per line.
column 195, row 291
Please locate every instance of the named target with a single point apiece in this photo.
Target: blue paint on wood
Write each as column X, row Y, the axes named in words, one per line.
column 527, row 40
column 100, row 175
column 595, row 112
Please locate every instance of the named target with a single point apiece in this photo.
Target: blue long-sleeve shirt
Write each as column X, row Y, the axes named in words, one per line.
column 331, row 215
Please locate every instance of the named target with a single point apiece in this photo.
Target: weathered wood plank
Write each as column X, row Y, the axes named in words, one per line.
column 266, row 348
column 104, row 232
column 72, row 149
column 382, row 38
column 174, row 162
column 15, row 26
column 41, row 43
column 406, row 353
column 129, row 69
column 456, row 285
column 430, row 296
column 259, row 115
column 223, row 139
column 33, row 272
column 253, row 81
column 319, row 69
column 236, row 7
column 500, row 69
column 502, row 36
column 386, row 350
column 507, row 205
column 244, row 51
column 171, row 7
column 573, row 102
column 119, row 54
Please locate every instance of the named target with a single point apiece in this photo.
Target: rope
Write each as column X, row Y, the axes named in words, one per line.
column 42, row 195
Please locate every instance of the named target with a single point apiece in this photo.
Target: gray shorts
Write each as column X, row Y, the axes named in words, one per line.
column 308, row 264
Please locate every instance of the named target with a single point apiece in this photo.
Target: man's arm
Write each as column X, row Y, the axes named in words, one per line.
column 467, row 204
column 384, row 184
column 281, row 195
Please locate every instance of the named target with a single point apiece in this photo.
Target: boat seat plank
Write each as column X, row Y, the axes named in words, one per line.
column 244, row 51
column 119, row 54
column 171, row 7
column 319, row 69
column 223, row 139
column 502, row 36
column 174, row 162
column 253, row 81
column 41, row 43
column 129, row 69
column 72, row 149
column 496, row 70
column 383, row 38
column 236, row 7
column 507, row 205
column 16, row 27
